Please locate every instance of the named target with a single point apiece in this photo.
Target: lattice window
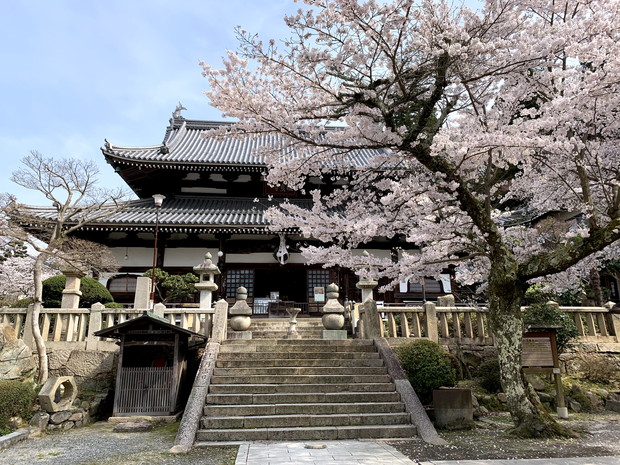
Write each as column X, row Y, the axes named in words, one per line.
column 125, row 283
column 317, row 278
column 430, row 285
column 236, row 278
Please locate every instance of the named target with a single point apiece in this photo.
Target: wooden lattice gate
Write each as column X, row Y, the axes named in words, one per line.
column 145, row 391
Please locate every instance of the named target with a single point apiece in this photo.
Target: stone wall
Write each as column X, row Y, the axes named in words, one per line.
column 92, row 370
column 80, row 413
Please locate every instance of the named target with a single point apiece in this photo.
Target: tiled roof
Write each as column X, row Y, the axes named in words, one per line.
column 189, row 214
column 187, row 143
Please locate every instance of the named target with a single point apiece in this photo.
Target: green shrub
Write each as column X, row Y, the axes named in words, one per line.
column 543, row 314
column 114, row 305
column 16, row 400
column 427, row 367
column 488, row 376
column 23, row 303
column 92, row 292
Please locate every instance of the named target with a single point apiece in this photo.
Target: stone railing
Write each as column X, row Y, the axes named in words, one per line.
column 60, row 327
column 470, row 325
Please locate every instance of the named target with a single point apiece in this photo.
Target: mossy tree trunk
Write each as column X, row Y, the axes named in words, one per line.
column 506, row 294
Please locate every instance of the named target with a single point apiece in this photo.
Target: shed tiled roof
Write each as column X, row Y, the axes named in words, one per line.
column 187, row 143
column 186, row 214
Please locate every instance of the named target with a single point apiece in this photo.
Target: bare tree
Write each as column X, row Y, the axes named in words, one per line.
column 70, row 185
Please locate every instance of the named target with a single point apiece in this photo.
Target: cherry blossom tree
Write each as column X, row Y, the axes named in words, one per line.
column 446, row 128
column 70, row 185
column 16, row 278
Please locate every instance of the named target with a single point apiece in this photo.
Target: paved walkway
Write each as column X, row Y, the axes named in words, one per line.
column 371, row 453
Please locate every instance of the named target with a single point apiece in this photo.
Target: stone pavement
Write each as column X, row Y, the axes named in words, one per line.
column 368, row 452
column 320, row 452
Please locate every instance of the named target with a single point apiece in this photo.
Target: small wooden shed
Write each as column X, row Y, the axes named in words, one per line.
column 152, row 365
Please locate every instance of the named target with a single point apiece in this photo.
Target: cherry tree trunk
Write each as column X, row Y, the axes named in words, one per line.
column 505, row 298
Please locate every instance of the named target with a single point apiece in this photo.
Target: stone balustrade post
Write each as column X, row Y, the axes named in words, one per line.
column 613, row 318
column 431, row 321
column 94, row 324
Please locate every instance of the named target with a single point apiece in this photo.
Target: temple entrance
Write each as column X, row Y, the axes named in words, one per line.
column 281, row 284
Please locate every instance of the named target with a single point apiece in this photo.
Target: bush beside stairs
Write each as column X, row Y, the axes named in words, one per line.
column 304, row 389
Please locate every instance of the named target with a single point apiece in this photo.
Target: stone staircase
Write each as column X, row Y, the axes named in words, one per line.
column 277, row 328
column 305, row 389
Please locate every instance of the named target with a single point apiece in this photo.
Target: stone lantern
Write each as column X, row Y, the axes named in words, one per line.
column 71, row 293
column 366, row 285
column 206, row 271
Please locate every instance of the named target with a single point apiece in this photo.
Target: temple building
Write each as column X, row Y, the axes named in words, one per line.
column 214, row 200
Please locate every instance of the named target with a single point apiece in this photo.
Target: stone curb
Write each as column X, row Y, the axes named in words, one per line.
column 13, row 438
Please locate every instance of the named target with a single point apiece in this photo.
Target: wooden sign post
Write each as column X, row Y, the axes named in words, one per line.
column 540, row 355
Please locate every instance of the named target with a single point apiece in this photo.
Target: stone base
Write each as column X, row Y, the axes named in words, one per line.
column 294, row 335
column 145, row 418
column 239, row 335
column 453, row 408
column 334, row 334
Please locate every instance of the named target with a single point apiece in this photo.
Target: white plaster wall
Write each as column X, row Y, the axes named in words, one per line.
column 136, row 256
column 187, row 257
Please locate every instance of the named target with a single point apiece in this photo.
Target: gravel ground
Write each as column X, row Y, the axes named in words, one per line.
column 98, row 445
column 491, row 440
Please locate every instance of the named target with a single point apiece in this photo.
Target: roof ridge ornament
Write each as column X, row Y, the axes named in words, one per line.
column 177, row 111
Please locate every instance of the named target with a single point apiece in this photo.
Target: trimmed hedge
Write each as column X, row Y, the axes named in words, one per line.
column 16, row 400
column 92, row 292
column 428, row 367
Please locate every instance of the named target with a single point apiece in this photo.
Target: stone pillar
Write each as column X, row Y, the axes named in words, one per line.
column 206, row 271
column 142, row 297
column 94, row 325
column 372, row 320
column 431, row 321
column 220, row 321
column 240, row 316
column 333, row 315
column 445, row 301
column 158, row 309
column 71, row 293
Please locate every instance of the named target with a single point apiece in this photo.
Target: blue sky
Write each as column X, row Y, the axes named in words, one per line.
column 75, row 72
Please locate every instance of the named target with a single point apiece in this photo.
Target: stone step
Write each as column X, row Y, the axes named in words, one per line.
column 302, row 409
column 300, row 379
column 279, row 348
column 305, row 388
column 302, row 398
column 308, row 433
column 271, row 334
column 251, row 362
column 288, row 421
column 297, row 342
column 285, row 355
column 303, row 370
